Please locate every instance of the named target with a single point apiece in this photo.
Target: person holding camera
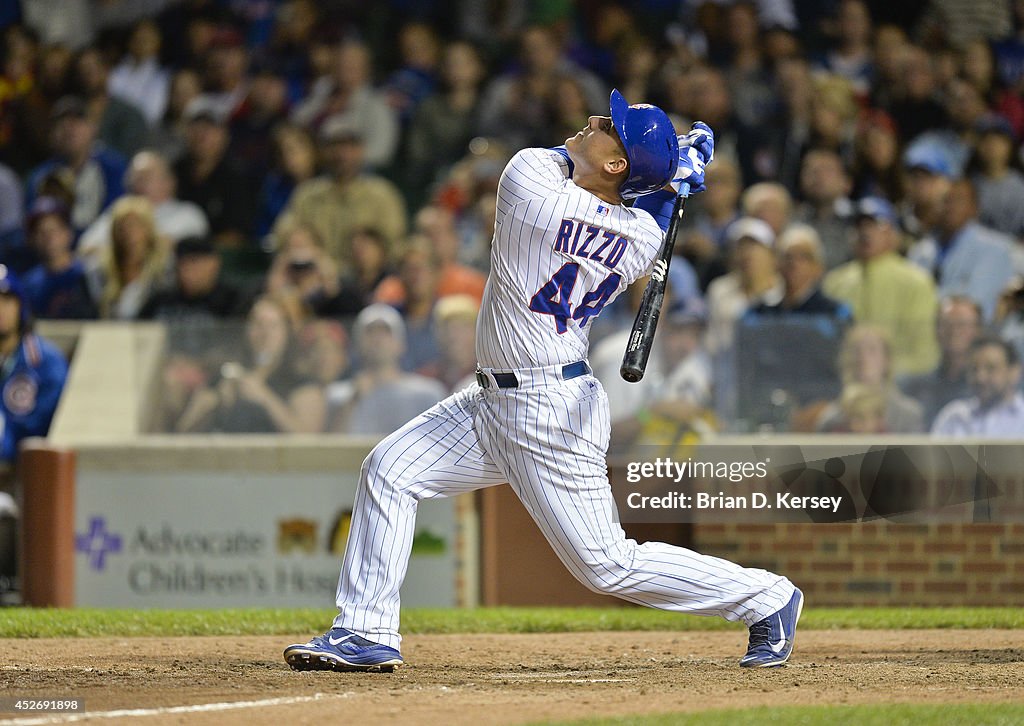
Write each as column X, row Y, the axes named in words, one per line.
column 303, row 270
column 264, row 392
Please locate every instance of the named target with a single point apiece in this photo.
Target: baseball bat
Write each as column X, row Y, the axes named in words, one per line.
column 641, row 338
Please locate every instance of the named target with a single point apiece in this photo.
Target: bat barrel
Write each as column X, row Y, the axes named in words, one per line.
column 641, row 338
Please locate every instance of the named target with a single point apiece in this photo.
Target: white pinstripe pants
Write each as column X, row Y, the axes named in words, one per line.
column 549, row 442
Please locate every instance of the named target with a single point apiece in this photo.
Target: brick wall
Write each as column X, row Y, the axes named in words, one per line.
column 880, row 563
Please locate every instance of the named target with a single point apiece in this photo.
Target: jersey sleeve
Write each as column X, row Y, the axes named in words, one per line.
column 531, row 174
column 52, row 372
column 659, row 205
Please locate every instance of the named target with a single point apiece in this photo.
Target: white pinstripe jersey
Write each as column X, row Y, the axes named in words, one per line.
column 558, row 256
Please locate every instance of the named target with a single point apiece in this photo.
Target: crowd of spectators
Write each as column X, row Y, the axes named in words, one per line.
column 320, row 176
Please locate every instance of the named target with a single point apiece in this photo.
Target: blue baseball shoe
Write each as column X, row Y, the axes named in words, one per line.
column 341, row 650
column 771, row 639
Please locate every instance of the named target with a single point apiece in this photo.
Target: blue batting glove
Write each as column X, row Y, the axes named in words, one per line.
column 696, row 149
column 701, row 138
column 690, row 171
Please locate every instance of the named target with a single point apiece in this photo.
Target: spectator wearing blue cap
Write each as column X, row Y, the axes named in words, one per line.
column 886, row 290
column 930, row 157
column 57, row 287
column 965, row 257
column 965, row 105
column 929, row 174
column 1000, row 186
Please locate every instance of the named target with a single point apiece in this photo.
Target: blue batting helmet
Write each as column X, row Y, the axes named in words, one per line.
column 10, row 285
column 650, row 142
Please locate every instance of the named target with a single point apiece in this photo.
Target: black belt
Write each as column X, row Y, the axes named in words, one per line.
column 509, row 380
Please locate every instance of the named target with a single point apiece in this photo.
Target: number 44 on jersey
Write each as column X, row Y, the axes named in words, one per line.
column 580, row 240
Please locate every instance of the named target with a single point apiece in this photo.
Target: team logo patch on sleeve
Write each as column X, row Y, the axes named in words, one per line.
column 20, row 394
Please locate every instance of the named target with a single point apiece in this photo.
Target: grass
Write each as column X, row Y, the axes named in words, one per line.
column 904, row 714
column 94, row 622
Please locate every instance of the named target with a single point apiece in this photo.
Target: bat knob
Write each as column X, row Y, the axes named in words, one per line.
column 631, row 375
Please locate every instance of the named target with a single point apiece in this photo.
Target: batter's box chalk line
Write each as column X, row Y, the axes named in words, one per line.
column 172, row 710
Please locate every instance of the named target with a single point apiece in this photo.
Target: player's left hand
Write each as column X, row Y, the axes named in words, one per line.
column 696, row 149
column 701, row 138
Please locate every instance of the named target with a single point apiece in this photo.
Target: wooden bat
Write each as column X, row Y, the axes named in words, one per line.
column 641, row 338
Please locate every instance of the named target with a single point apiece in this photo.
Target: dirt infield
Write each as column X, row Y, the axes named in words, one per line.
column 509, row 679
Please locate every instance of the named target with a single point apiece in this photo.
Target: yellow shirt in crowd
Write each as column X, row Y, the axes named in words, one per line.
column 897, row 296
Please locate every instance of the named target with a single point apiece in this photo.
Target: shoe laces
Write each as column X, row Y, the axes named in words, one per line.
column 761, row 632
column 354, row 639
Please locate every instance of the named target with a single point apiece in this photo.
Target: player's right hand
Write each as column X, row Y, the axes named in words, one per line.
column 689, row 172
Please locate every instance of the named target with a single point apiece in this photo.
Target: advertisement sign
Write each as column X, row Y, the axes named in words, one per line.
column 229, row 539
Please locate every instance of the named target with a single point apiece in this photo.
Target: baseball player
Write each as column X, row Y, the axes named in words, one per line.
column 565, row 245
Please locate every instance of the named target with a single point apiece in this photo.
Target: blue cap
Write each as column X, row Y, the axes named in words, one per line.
column 993, row 123
column 10, row 285
column 930, row 157
column 651, row 146
column 878, row 209
column 44, row 207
